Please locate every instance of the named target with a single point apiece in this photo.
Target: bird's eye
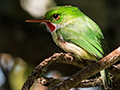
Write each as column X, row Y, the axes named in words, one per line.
column 55, row 16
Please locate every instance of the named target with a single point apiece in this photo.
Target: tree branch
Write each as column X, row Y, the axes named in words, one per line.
column 50, row 82
column 73, row 81
column 89, row 71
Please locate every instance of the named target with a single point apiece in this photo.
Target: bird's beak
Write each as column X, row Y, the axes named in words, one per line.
column 38, row 20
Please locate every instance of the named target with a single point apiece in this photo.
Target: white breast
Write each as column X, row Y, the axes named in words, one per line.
column 79, row 52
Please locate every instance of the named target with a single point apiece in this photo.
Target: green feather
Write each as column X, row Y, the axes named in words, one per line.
column 79, row 30
column 80, row 34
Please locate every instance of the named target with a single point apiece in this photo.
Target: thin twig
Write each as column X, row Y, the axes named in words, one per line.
column 50, row 82
column 77, row 78
column 114, row 72
column 89, row 71
column 57, row 57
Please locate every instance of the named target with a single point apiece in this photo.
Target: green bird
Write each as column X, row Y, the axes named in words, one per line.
column 76, row 33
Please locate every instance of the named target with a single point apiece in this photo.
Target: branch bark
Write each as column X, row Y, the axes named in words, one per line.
column 74, row 80
column 87, row 72
column 51, row 82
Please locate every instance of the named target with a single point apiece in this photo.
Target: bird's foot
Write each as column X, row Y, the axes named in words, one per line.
column 69, row 55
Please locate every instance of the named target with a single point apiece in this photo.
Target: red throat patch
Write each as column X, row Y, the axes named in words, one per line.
column 50, row 26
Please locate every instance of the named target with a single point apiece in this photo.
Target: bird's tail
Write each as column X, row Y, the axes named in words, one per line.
column 106, row 79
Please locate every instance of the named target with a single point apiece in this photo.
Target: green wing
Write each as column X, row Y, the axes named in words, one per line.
column 85, row 34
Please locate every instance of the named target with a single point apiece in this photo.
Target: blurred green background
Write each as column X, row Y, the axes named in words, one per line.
column 32, row 41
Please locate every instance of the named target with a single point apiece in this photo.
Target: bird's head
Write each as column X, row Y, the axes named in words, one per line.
column 58, row 17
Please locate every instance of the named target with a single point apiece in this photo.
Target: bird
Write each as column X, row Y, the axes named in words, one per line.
column 76, row 33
